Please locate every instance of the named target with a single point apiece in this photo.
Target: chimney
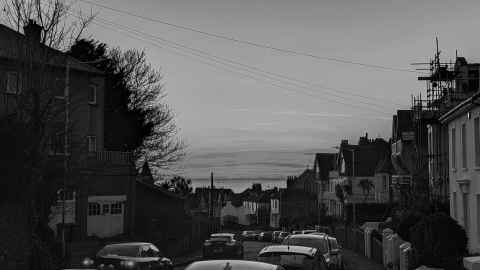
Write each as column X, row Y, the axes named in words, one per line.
column 32, row 32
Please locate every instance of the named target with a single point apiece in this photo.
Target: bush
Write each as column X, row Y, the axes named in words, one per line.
column 407, row 221
column 439, row 241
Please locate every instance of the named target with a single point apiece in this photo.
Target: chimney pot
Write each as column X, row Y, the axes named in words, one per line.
column 32, row 32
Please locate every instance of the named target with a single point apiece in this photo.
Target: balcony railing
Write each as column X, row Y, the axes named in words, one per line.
column 112, row 156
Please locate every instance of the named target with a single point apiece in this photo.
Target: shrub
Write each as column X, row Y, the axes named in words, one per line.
column 407, row 221
column 439, row 241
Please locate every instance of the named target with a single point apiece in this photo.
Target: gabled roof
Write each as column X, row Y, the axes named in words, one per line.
column 323, row 164
column 366, row 156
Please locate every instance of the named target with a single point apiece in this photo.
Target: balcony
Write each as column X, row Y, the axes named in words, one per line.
column 109, row 157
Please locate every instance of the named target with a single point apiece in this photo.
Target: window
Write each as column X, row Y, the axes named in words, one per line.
column 454, row 149
column 477, row 141
column 92, row 94
column 385, row 186
column 478, row 218
column 14, row 84
column 473, row 80
column 116, row 208
column 93, row 209
column 59, row 88
column 454, row 204
column 92, row 143
column 464, row 146
column 105, row 209
column 57, row 143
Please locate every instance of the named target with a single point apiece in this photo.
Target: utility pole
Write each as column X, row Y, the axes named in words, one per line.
column 353, row 176
column 65, row 152
column 210, row 199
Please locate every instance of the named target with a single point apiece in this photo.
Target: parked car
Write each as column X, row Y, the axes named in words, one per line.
column 282, row 236
column 275, row 236
column 266, row 236
column 335, row 253
column 222, row 246
column 326, row 245
column 293, row 257
column 232, row 264
column 135, row 255
column 248, row 235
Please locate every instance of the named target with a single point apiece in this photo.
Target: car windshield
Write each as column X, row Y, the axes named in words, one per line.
column 319, row 244
column 288, row 260
column 119, row 250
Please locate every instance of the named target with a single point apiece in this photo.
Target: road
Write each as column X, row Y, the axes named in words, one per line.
column 250, row 251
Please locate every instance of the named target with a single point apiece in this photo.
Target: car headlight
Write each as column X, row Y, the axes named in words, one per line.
column 87, row 262
column 127, row 264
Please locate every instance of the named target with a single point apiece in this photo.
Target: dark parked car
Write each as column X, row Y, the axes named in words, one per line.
column 249, row 235
column 232, row 264
column 326, row 245
column 275, row 236
column 266, row 236
column 222, row 246
column 136, row 255
column 282, row 236
column 293, row 257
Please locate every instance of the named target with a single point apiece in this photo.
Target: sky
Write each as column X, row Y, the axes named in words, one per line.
column 225, row 108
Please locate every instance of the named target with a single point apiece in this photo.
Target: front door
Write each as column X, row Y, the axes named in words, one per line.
column 105, row 215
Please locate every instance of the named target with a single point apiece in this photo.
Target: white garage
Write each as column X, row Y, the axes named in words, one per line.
column 106, row 215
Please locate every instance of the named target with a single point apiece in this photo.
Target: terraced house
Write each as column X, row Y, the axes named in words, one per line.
column 96, row 186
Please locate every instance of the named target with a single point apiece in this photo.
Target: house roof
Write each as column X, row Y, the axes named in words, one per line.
column 323, row 164
column 366, row 157
column 9, row 42
column 158, row 189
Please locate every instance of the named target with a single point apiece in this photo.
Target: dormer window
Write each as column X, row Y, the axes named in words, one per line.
column 92, row 94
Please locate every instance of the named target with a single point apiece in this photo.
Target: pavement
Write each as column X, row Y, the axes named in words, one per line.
column 355, row 261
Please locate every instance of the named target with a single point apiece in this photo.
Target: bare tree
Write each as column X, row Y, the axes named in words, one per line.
column 34, row 114
column 160, row 145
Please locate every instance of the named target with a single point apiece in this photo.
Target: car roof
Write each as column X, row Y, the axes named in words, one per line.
column 289, row 249
column 222, row 235
column 130, row 244
column 308, row 236
column 230, row 265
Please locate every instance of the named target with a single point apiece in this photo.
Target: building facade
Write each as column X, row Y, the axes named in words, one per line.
column 463, row 122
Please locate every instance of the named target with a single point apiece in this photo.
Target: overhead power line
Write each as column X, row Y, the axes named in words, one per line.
column 248, row 42
column 297, row 82
column 231, row 68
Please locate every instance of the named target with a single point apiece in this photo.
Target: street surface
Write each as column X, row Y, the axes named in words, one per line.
column 250, row 251
column 352, row 260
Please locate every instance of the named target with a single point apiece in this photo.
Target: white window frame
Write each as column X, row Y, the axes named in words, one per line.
column 92, row 143
column 94, row 101
column 94, row 209
column 18, row 84
column 52, row 148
